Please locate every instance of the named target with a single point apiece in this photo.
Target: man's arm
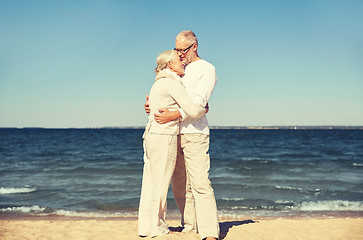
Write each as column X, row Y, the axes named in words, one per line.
column 205, row 86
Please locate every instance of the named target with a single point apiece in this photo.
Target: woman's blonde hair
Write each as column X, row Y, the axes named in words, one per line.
column 163, row 59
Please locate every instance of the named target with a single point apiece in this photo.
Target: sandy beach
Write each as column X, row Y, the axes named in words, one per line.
column 280, row 228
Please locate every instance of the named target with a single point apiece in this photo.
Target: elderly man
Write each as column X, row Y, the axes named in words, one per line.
column 192, row 188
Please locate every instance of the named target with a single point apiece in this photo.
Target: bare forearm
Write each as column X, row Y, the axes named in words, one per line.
column 175, row 115
column 165, row 116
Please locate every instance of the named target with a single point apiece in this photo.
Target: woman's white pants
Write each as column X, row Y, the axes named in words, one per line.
column 160, row 153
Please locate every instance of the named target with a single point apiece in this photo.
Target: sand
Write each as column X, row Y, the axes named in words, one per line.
column 269, row 229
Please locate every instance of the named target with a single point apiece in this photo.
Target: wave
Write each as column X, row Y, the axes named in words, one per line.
column 17, row 190
column 101, row 214
column 36, row 210
column 337, row 205
column 233, row 199
column 24, row 209
column 284, row 208
column 289, row 188
column 309, row 206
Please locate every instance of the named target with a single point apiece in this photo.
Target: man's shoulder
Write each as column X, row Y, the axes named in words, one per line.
column 202, row 64
column 207, row 64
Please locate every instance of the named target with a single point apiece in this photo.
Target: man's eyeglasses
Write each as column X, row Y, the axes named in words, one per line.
column 184, row 50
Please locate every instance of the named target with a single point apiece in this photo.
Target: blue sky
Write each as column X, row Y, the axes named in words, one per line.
column 90, row 63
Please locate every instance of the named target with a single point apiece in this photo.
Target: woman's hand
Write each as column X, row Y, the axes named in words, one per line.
column 165, row 116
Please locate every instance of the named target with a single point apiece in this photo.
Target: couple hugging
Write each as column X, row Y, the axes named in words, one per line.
column 176, row 143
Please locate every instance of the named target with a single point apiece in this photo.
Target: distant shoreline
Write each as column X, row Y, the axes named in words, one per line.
column 277, row 127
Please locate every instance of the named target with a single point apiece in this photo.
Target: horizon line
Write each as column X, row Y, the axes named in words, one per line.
column 213, row 127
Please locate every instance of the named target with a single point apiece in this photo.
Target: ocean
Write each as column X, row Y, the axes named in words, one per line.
column 97, row 173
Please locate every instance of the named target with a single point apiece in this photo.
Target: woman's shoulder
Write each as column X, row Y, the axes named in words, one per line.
column 170, row 82
column 166, row 73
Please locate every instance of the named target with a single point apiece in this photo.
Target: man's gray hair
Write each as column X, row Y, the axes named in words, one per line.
column 188, row 36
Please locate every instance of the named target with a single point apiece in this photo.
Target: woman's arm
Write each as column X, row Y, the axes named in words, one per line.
column 179, row 94
column 165, row 116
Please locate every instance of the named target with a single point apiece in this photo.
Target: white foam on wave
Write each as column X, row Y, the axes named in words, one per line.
column 357, row 164
column 337, row 205
column 309, row 206
column 24, row 209
column 289, row 188
column 17, row 190
column 233, row 199
column 43, row 211
column 284, row 202
column 68, row 213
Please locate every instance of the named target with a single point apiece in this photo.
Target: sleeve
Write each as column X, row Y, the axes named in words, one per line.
column 179, row 94
column 205, row 85
column 183, row 114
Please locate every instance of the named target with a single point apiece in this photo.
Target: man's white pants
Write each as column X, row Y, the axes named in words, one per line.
column 193, row 192
column 159, row 164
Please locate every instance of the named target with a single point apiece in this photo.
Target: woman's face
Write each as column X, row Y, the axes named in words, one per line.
column 177, row 65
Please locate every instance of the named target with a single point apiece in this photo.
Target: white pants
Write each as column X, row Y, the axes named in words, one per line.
column 159, row 164
column 192, row 188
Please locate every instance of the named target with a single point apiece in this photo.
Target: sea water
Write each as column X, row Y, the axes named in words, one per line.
column 98, row 172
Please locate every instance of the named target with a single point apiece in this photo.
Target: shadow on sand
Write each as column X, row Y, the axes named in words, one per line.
column 223, row 226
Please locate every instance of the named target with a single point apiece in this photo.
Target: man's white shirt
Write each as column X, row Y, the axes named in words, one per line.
column 199, row 81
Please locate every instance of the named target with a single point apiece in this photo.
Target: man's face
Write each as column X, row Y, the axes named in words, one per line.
column 177, row 66
column 185, row 56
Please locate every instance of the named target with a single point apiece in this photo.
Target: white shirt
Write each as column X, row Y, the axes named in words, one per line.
column 199, row 81
column 168, row 92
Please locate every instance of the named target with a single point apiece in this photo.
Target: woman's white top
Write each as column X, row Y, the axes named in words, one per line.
column 168, row 92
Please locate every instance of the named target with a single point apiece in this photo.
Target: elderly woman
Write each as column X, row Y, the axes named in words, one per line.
column 160, row 143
